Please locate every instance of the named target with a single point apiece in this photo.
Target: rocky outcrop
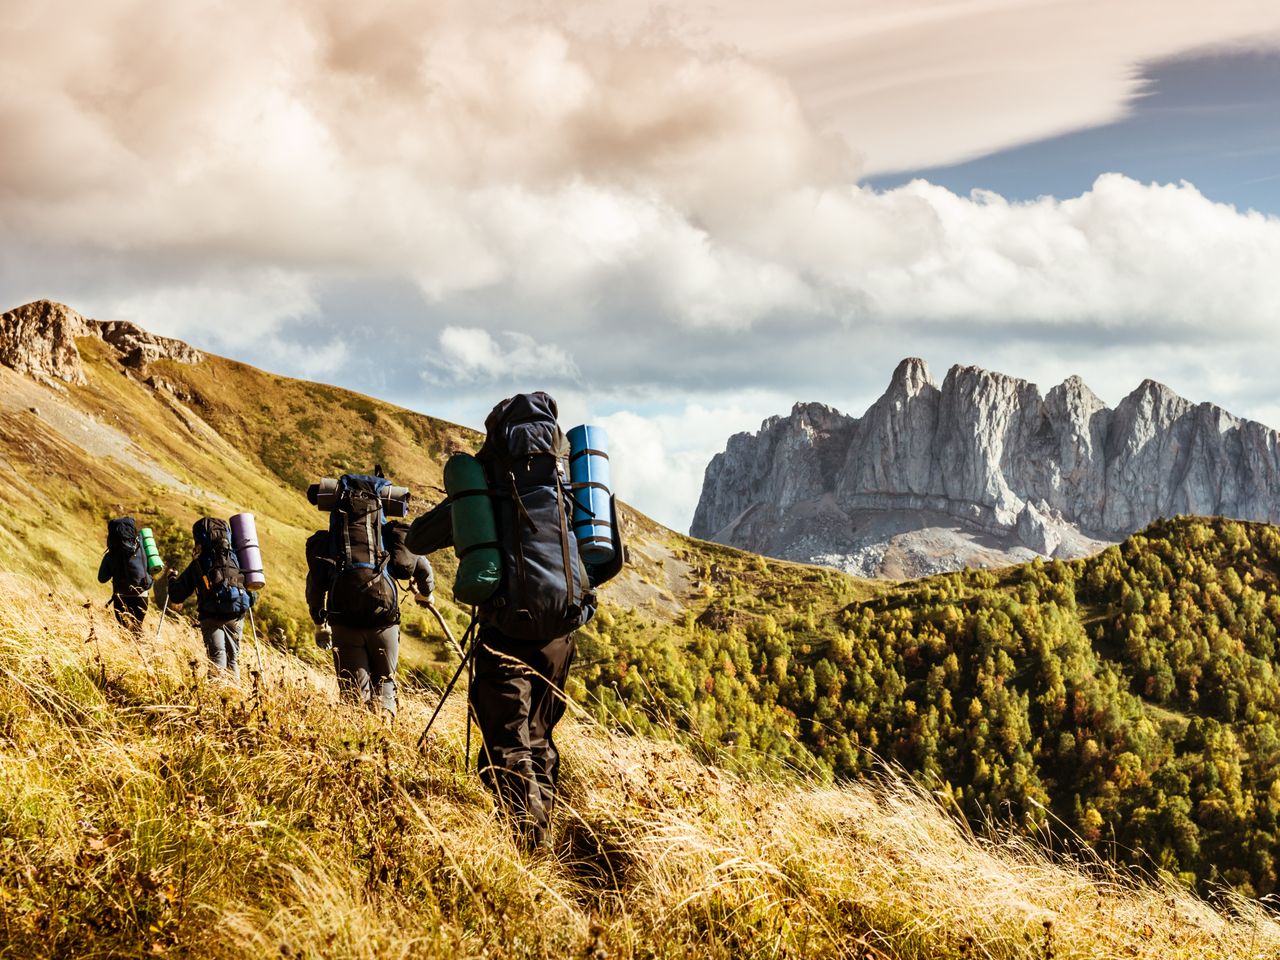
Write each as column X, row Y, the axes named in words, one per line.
column 982, row 466
column 39, row 339
column 138, row 348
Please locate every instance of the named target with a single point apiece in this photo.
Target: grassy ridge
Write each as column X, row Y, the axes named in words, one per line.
column 146, row 810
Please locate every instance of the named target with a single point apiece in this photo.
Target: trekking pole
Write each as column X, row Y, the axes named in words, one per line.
column 448, row 633
column 253, row 631
column 163, row 610
column 466, row 658
column 445, row 627
column 457, row 649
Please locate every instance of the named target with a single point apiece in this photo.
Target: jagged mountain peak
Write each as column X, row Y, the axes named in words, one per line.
column 984, row 469
column 911, row 377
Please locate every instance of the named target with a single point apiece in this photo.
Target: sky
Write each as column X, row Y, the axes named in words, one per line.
column 678, row 219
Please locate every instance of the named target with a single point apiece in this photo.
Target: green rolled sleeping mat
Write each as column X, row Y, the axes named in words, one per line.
column 475, row 535
column 149, row 550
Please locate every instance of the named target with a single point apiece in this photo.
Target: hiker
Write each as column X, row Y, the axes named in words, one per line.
column 222, row 601
column 124, row 564
column 525, row 639
column 352, row 569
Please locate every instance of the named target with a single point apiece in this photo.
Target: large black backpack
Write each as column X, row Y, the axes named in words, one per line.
column 544, row 593
column 128, row 564
column 361, row 590
column 222, row 594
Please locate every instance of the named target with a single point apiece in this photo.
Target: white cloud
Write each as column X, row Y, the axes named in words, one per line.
column 657, row 460
column 920, row 83
column 227, row 308
column 472, row 355
column 630, row 212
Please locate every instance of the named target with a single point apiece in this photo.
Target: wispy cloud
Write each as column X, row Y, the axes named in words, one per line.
column 658, row 213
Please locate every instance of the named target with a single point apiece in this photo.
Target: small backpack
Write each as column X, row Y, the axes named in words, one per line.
column 222, row 592
column 361, row 590
column 128, row 563
column 544, row 593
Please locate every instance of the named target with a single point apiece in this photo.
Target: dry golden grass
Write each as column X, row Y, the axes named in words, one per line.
column 148, row 810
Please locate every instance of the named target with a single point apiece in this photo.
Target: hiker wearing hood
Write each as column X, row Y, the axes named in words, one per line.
column 124, row 564
column 221, row 598
column 525, row 639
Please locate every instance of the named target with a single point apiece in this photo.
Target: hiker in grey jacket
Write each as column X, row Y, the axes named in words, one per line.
column 365, row 654
column 221, row 598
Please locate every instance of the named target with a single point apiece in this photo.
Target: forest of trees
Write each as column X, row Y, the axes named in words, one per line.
column 1127, row 701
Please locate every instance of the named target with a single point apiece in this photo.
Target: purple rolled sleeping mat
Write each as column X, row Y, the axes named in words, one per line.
column 244, row 538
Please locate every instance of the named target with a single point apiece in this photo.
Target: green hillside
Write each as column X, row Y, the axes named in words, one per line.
column 147, row 811
column 1123, row 703
column 1127, row 703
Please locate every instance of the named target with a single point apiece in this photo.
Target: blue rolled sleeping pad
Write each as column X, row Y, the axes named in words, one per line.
column 589, row 476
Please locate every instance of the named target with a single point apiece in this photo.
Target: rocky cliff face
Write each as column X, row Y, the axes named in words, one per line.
column 39, row 339
column 981, row 470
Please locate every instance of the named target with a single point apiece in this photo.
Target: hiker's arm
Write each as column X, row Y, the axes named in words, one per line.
column 184, row 584
column 432, row 531
column 315, row 594
column 104, row 568
column 317, row 581
column 424, row 578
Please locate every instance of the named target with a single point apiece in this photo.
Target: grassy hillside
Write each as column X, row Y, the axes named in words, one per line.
column 1123, row 705
column 1127, row 703
column 146, row 811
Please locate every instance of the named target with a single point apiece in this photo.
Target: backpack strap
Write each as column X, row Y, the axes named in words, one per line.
column 570, row 597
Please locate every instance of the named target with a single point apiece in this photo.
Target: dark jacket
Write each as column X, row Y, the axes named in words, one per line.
column 416, row 569
column 433, row 530
column 121, row 576
column 191, row 580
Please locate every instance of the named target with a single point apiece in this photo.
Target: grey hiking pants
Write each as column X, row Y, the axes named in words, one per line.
column 222, row 643
column 366, row 659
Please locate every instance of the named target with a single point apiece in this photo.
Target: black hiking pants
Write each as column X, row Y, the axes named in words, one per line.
column 130, row 609
column 517, row 694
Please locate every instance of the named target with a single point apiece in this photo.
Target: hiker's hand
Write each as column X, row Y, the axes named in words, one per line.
column 425, row 599
column 324, row 636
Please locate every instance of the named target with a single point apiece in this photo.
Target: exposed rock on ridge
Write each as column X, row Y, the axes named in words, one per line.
column 39, row 339
column 987, row 459
column 139, row 348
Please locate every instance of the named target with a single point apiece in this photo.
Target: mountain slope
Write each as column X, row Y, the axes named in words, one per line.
column 981, row 471
column 148, row 812
column 167, row 434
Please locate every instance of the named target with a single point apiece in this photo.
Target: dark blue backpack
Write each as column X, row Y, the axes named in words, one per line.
column 128, row 565
column 544, row 592
column 362, row 592
column 221, row 587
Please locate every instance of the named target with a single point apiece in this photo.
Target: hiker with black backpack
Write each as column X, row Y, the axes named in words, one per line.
column 125, row 565
column 523, row 637
column 222, row 601
column 352, row 592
